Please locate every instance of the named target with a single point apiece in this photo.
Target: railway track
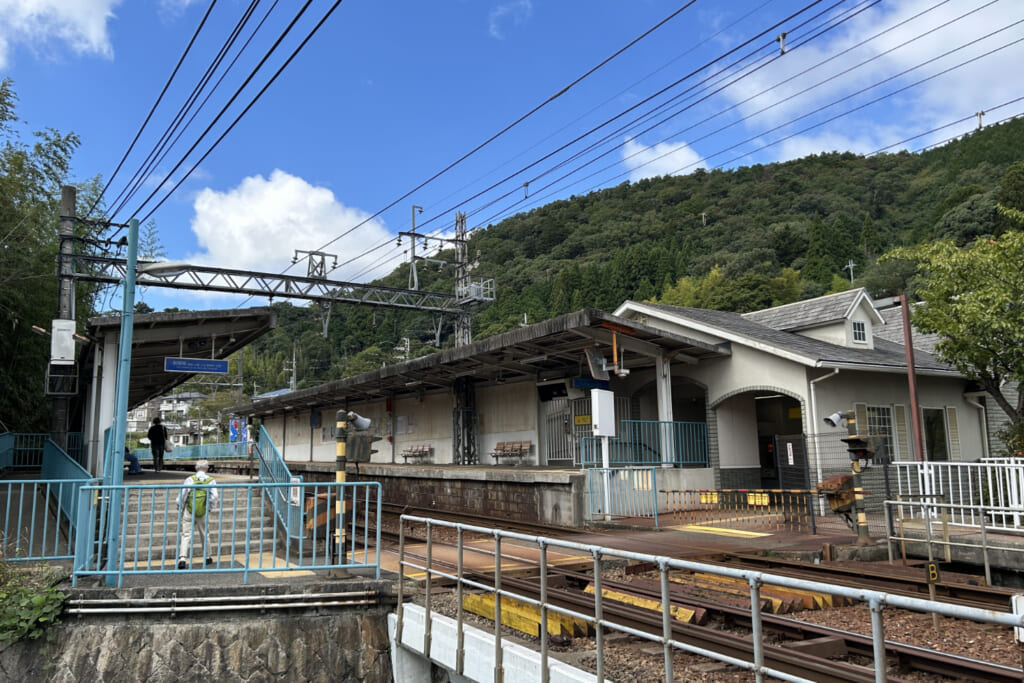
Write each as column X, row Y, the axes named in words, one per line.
column 895, row 579
column 797, row 648
column 802, row 649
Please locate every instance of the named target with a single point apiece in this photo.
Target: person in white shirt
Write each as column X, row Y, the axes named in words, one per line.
column 197, row 497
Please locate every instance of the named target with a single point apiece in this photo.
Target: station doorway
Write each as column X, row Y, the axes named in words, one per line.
column 780, row 441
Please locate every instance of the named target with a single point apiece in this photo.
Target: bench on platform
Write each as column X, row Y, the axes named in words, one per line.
column 514, row 451
column 418, row 452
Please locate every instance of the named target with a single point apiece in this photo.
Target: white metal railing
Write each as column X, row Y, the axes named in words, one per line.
column 934, row 529
column 971, row 489
column 423, row 564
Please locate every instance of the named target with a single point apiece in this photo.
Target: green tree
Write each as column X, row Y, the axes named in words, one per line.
column 974, row 299
column 870, row 241
column 30, row 188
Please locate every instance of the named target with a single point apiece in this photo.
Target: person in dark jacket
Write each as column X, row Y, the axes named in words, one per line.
column 157, row 443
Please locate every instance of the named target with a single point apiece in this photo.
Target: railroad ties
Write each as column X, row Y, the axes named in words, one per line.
column 688, row 592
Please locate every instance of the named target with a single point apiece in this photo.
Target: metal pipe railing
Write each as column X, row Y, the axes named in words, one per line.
column 238, row 535
column 968, row 536
column 875, row 600
column 992, row 483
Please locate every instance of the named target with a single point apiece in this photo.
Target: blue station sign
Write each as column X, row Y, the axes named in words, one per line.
column 208, row 366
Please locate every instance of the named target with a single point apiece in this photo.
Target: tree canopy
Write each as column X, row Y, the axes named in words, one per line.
column 31, row 176
column 973, row 298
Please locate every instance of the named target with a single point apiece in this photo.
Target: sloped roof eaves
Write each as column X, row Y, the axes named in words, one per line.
column 886, row 356
column 456, row 359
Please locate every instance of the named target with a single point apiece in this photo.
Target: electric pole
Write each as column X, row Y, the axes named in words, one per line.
column 65, row 311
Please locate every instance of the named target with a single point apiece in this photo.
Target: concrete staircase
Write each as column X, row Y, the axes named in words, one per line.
column 240, row 527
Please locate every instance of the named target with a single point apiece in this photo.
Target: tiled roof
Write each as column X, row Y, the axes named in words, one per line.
column 893, row 331
column 886, row 354
column 810, row 313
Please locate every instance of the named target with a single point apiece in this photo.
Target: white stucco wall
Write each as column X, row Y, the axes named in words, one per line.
column 737, row 432
column 425, row 421
column 508, row 412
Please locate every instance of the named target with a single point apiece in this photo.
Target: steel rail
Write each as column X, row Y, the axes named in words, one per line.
column 984, row 597
column 802, row 663
column 908, row 656
column 797, row 662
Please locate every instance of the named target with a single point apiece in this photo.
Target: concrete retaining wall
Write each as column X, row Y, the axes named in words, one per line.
column 301, row 644
column 525, row 495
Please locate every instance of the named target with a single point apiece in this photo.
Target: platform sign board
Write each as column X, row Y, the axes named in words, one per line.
column 207, row 366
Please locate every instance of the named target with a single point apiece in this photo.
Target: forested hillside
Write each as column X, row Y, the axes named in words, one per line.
column 733, row 240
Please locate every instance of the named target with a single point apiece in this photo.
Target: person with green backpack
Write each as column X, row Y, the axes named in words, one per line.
column 197, row 497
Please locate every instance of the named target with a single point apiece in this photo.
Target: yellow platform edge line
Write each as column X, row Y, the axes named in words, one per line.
column 720, row 532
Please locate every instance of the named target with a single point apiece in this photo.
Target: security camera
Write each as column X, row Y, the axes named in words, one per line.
column 359, row 423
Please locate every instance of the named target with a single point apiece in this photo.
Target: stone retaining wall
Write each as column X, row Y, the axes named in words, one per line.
column 303, row 644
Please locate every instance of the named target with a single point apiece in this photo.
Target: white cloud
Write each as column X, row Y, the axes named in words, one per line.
column 38, row 25
column 665, row 158
column 517, row 12
column 949, row 96
column 259, row 224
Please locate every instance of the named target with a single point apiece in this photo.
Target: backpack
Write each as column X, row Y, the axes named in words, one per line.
column 195, row 501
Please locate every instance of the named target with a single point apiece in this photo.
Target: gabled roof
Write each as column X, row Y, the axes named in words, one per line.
column 893, row 330
column 733, row 327
column 823, row 310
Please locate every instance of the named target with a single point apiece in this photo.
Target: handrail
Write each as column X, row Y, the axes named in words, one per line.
column 238, row 538
column 274, row 470
column 602, row 621
column 969, row 486
column 59, row 466
column 650, row 443
column 6, row 450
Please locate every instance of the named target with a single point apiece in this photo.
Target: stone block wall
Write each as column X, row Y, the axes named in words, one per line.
column 303, row 644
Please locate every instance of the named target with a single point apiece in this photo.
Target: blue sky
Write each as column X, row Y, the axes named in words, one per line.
column 386, row 95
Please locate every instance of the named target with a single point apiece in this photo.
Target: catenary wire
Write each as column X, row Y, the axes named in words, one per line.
column 231, row 101
column 506, row 129
column 755, row 137
column 152, row 110
column 165, row 143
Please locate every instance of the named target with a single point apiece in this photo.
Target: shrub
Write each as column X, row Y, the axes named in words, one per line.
column 29, row 601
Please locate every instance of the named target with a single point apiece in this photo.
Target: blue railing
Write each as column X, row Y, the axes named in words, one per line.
column 59, row 466
column 273, row 470
column 27, row 450
column 208, row 451
column 650, row 442
column 40, row 515
column 6, row 450
column 76, row 447
column 241, row 535
column 623, row 492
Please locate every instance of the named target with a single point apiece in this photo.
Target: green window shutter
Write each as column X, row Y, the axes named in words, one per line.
column 899, row 419
column 860, row 412
column 953, row 429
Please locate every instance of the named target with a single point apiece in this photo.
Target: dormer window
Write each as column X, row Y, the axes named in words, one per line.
column 860, row 332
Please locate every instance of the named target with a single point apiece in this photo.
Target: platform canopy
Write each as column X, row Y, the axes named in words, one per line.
column 212, row 334
column 550, row 350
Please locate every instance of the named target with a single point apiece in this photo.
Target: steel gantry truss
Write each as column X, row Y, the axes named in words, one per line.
column 109, row 270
